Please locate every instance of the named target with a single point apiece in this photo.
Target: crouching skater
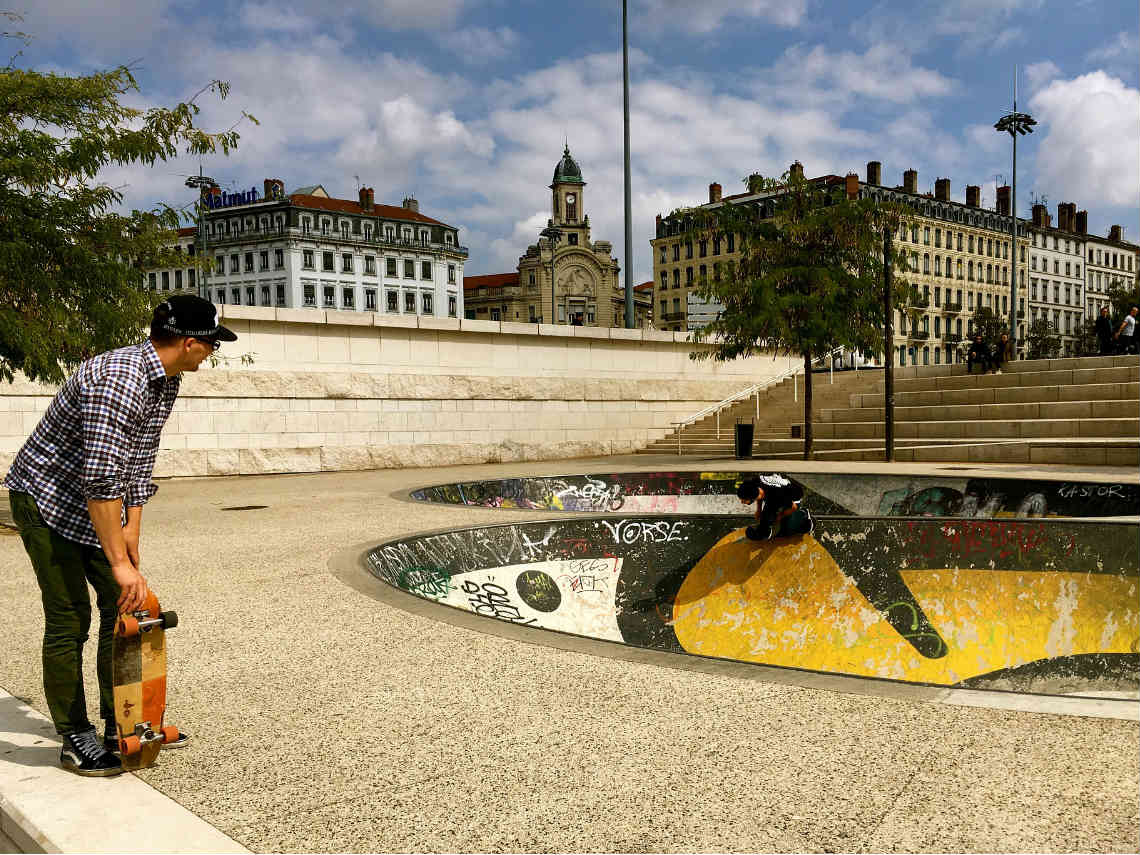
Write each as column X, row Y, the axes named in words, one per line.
column 778, row 511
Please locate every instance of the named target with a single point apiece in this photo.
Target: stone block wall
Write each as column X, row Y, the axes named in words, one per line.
column 325, row 393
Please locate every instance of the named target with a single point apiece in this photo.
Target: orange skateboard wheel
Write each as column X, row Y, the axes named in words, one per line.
column 128, row 626
column 169, row 734
column 130, row 745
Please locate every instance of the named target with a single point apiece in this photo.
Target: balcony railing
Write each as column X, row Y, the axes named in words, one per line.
column 673, row 316
column 919, row 335
column 953, row 338
column 953, row 308
column 373, row 239
column 920, row 302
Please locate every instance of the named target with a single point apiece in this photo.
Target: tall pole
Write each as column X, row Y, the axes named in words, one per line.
column 629, row 318
column 888, row 351
column 1013, row 250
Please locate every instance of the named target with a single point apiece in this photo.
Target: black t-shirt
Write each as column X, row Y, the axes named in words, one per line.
column 779, row 494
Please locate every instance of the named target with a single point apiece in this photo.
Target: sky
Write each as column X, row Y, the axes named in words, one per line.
column 466, row 104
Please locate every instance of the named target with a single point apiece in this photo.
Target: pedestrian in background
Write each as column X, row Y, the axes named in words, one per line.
column 1127, row 332
column 1003, row 353
column 1104, row 331
column 979, row 353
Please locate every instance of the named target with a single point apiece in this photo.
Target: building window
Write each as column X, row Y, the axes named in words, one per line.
column 370, row 299
column 191, row 277
column 731, row 240
column 249, row 262
column 496, row 314
column 235, row 296
column 676, row 277
column 348, row 296
column 166, row 280
column 265, row 296
column 409, row 270
column 390, row 267
column 572, row 239
column 369, row 265
column 220, row 264
column 453, row 307
column 280, row 294
column 346, row 262
column 426, row 302
column 152, row 278
column 327, row 262
column 222, row 295
column 178, row 279
column 664, row 279
column 392, row 301
column 688, row 276
column 278, row 259
column 310, row 294
column 410, row 302
column 263, row 258
column 676, row 252
column 703, row 248
column 324, row 227
column 235, row 264
column 329, row 292
column 451, row 274
column 926, row 235
column 425, row 271
column 307, row 259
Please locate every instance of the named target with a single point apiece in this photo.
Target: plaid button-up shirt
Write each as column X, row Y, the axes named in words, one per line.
column 97, row 440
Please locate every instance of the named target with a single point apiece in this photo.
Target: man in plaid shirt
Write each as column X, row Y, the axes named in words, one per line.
column 77, row 488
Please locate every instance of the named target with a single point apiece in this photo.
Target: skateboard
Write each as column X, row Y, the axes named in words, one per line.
column 138, row 676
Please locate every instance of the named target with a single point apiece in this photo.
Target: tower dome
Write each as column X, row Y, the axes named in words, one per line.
column 567, row 171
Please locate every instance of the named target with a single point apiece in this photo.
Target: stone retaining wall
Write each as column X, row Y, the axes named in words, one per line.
column 418, row 395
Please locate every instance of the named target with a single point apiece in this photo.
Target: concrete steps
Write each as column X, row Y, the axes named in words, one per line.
column 1076, row 410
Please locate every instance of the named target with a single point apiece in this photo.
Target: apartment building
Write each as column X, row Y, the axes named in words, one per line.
column 305, row 249
column 1109, row 261
column 1057, row 272
column 182, row 278
column 958, row 256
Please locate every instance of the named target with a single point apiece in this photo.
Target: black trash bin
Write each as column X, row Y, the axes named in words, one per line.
column 744, row 433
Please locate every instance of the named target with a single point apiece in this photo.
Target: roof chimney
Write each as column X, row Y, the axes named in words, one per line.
column 714, row 192
column 942, row 189
column 1066, row 216
column 274, row 188
column 366, row 198
column 1082, row 224
column 1003, row 199
column 1114, row 234
column 852, row 185
column 910, row 181
column 874, row 172
column 410, row 204
column 1040, row 216
column 796, row 170
column 973, row 195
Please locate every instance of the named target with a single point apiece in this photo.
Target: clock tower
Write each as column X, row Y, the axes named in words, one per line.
column 567, row 204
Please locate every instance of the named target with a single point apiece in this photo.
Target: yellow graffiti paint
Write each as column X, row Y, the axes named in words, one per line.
column 788, row 603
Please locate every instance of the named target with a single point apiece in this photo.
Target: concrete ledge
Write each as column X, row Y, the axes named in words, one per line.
column 45, row 809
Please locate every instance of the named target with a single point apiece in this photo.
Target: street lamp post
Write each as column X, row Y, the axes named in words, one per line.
column 553, row 234
column 629, row 316
column 202, row 182
column 1014, row 123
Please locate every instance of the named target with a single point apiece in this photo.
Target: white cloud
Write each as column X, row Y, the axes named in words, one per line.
column 264, row 17
column 1091, row 124
column 1125, row 45
column 478, row 45
column 1039, row 73
column 392, row 14
column 880, row 73
column 111, row 31
column 712, row 14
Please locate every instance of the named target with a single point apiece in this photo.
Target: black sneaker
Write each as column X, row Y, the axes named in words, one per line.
column 83, row 755
column 111, row 739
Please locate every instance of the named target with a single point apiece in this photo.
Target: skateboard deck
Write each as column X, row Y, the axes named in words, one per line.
column 138, row 675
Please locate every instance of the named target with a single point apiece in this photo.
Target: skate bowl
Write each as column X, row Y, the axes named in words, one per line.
column 995, row 585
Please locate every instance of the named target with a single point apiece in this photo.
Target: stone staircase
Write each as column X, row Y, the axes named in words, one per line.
column 1077, row 410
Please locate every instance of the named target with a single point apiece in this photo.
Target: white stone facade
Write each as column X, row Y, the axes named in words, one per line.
column 357, row 390
column 1057, row 281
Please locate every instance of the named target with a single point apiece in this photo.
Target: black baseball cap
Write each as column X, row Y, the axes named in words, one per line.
column 190, row 315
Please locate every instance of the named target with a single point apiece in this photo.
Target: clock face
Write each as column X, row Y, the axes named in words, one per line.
column 569, row 198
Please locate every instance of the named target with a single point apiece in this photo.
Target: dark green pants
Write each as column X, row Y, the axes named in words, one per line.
column 63, row 569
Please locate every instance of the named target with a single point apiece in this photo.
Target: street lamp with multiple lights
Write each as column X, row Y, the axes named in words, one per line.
column 1014, row 123
column 553, row 234
column 200, row 183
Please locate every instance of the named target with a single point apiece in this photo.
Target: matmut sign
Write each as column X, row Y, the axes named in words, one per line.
column 226, row 200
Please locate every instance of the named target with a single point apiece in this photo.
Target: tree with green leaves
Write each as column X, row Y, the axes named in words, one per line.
column 808, row 276
column 1043, row 341
column 71, row 265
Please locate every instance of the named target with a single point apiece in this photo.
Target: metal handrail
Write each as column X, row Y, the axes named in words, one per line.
column 754, row 389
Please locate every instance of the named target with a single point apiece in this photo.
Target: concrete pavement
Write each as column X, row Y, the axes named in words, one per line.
column 328, row 720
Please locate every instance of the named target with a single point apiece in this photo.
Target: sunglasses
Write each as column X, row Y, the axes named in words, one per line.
column 212, row 343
